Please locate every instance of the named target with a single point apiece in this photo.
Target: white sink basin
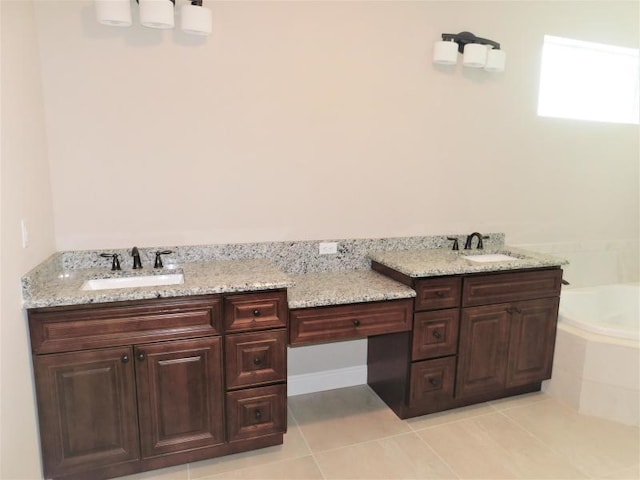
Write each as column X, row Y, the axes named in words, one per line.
column 133, row 282
column 490, row 257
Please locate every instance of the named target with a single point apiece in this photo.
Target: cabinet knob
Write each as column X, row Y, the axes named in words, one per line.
column 518, row 310
column 440, row 294
column 256, row 313
column 257, row 360
column 356, row 323
column 433, row 382
column 509, row 310
column 141, row 356
column 437, row 334
column 125, row 358
column 258, row 414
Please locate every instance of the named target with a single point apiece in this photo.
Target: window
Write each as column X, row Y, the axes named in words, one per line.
column 589, row 81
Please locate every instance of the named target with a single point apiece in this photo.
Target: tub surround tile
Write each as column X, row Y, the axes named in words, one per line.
column 335, row 288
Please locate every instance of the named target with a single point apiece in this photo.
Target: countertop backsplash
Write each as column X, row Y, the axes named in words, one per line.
column 295, row 257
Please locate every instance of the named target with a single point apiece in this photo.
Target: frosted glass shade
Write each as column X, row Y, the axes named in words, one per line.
column 445, row 53
column 115, row 13
column 156, row 13
column 475, row 55
column 496, row 60
column 195, row 20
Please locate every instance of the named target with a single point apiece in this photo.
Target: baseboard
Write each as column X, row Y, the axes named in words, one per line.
column 326, row 380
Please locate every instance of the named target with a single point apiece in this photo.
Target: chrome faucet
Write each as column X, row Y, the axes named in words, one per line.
column 136, row 258
column 467, row 244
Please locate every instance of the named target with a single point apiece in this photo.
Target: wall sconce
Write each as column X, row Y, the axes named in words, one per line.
column 195, row 19
column 477, row 52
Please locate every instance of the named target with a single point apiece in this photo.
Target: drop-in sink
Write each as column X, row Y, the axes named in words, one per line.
column 133, row 282
column 490, row 257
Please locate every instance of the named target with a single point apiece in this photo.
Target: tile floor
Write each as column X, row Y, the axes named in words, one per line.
column 351, row 434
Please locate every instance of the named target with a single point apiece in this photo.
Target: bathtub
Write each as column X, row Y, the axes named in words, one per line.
column 611, row 310
column 596, row 367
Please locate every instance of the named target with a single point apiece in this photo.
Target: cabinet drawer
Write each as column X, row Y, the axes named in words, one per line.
column 322, row 324
column 432, row 381
column 254, row 412
column 60, row 329
column 256, row 358
column 435, row 334
column 510, row 287
column 435, row 293
column 255, row 311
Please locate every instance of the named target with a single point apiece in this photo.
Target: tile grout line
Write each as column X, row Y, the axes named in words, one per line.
column 453, row 470
column 542, row 442
column 306, row 442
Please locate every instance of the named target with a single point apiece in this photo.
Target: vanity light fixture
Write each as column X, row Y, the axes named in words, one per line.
column 115, row 13
column 195, row 18
column 156, row 13
column 477, row 52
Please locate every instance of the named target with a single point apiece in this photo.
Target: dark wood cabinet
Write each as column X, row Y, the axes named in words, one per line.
column 351, row 321
column 180, row 395
column 475, row 337
column 134, row 386
column 484, row 344
column 87, row 409
column 532, row 341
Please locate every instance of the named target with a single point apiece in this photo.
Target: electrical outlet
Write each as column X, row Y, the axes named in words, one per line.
column 24, row 228
column 327, row 248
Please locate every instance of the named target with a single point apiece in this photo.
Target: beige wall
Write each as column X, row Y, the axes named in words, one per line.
column 294, row 120
column 308, row 120
column 24, row 193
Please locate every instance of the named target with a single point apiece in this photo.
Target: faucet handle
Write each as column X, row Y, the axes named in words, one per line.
column 158, row 262
column 455, row 243
column 115, row 263
column 480, row 238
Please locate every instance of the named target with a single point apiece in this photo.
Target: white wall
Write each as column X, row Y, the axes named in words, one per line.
column 306, row 120
column 24, row 193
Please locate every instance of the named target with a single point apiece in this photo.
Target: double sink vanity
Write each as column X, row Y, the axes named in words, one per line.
column 189, row 361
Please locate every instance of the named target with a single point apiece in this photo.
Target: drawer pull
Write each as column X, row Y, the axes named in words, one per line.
column 258, row 414
column 125, row 358
column 256, row 313
column 433, row 382
column 141, row 356
column 440, row 294
column 356, row 322
column 257, row 360
column 437, row 334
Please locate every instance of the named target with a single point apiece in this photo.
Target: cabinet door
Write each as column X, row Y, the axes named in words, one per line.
column 180, row 395
column 483, row 349
column 533, row 334
column 87, row 410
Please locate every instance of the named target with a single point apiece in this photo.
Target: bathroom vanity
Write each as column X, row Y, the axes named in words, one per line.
column 135, row 379
column 132, row 386
column 475, row 338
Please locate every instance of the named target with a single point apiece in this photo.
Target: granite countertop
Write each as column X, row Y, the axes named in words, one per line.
column 337, row 288
column 63, row 287
column 58, row 280
column 438, row 262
